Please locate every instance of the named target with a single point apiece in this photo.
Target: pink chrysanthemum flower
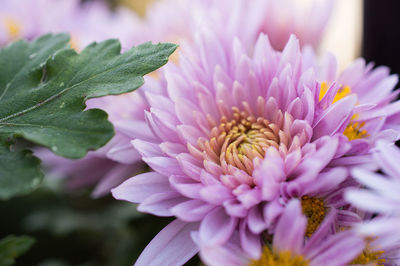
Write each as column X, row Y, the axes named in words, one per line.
column 237, row 138
column 382, row 197
column 289, row 247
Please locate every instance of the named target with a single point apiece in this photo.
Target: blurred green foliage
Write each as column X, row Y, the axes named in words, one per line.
column 74, row 229
column 13, row 246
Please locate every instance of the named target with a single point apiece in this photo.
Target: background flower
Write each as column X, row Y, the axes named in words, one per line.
column 88, row 22
column 376, row 112
column 177, row 20
column 382, row 198
column 289, row 246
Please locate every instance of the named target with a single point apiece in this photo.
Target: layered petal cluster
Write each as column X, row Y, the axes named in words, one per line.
column 238, row 137
column 380, row 196
column 289, row 246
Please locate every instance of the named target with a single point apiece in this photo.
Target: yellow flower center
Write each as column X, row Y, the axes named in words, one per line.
column 237, row 141
column 13, row 27
column 284, row 258
column 315, row 211
column 340, row 94
column 369, row 257
column 354, row 128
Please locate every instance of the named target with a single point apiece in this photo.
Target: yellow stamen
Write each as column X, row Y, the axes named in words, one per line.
column 315, row 211
column 370, row 257
column 323, row 89
column 340, row 94
column 354, row 129
column 13, row 27
column 284, row 258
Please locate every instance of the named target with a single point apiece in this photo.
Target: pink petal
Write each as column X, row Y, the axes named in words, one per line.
column 290, row 54
column 184, row 110
column 346, row 244
column 234, row 208
column 192, row 210
column 172, row 149
column 164, row 165
column 125, row 154
column 255, row 220
column 146, row 149
column 190, row 166
column 289, row 234
column 138, row 188
column 327, row 181
column 189, row 134
column 159, row 101
column 269, row 176
column 370, row 201
column 186, row 186
column 164, row 128
column 171, row 246
column 334, row 117
column 217, row 227
column 161, row 203
column 250, row 197
column 388, row 158
column 215, row 194
column 251, row 243
column 137, row 129
column 223, row 255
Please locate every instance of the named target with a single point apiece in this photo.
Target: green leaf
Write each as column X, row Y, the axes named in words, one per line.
column 50, row 113
column 21, row 58
column 19, row 172
column 43, row 89
column 12, row 246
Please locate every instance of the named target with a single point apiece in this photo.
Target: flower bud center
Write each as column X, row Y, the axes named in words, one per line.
column 236, row 141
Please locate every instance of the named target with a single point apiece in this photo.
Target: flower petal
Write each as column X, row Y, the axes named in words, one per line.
column 290, row 230
column 138, row 188
column 192, row 210
column 217, row 227
column 334, row 118
column 171, row 246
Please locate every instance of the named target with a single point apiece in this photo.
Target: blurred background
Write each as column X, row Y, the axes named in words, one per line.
column 71, row 228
